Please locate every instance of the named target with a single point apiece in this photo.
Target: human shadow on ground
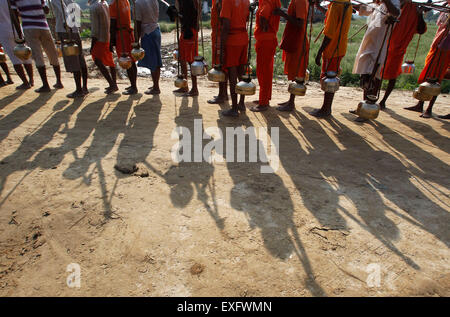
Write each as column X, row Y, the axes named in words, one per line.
column 265, row 200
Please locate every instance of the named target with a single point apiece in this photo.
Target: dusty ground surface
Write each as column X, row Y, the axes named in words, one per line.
column 348, row 199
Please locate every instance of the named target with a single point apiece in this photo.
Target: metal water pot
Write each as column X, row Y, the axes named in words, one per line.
column 2, row 57
column 137, row 52
column 198, row 67
column 125, row 62
column 408, row 68
column 22, row 51
column 246, row 86
column 368, row 109
column 181, row 82
column 71, row 49
column 307, row 73
column 216, row 74
column 421, row 96
column 330, row 83
column 175, row 54
column 430, row 87
column 297, row 87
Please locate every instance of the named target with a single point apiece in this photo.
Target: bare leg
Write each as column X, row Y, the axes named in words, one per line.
column 417, row 108
column 288, row 105
column 325, row 111
column 194, row 91
column 389, row 89
column 79, row 91
column 132, row 76
column 109, row 76
column 84, row 75
column 43, row 74
column 155, row 78
column 222, row 97
column 29, row 70
column 232, row 77
column 8, row 75
column 21, row 73
column 58, row 84
column 428, row 112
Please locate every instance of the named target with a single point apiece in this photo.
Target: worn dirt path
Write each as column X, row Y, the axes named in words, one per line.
column 347, row 201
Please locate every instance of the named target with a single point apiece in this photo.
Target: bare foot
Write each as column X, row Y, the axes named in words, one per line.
column 75, row 94
column 230, row 113
column 192, row 93
column 241, row 107
column 259, row 108
column 283, row 103
column 382, row 105
column 58, row 85
column 321, row 113
column 43, row 89
column 416, row 108
column 286, row 106
column 426, row 114
column 216, row 100
column 152, row 91
column 181, row 90
column 23, row 87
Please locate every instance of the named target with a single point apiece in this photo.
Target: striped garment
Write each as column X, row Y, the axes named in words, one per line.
column 31, row 13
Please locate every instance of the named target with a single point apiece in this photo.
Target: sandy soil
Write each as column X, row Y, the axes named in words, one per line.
column 347, row 200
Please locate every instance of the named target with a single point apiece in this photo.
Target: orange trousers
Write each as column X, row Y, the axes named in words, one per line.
column 265, row 51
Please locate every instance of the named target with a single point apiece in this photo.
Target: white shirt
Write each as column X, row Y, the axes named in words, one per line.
column 373, row 38
column 147, row 11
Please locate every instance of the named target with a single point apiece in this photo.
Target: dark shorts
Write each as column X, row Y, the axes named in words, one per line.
column 72, row 63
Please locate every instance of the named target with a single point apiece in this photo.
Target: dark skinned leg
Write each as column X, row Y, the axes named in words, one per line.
column 194, row 90
column 132, row 76
column 388, row 92
column 222, row 96
column 428, row 113
column 232, row 76
column 108, row 76
column 417, row 108
column 84, row 76
column 325, row 111
column 288, row 105
column 29, row 70
column 8, row 75
column 43, row 74
column 21, row 73
column 183, row 66
column 2, row 81
column 79, row 91
column 58, row 84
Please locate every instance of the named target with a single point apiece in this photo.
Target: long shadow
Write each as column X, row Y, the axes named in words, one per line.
column 440, row 141
column 10, row 98
column 32, row 143
column 22, row 113
column 106, row 133
column 357, row 183
column 266, row 202
column 427, row 215
column 184, row 177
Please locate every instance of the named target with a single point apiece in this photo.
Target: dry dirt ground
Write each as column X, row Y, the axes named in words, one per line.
column 354, row 209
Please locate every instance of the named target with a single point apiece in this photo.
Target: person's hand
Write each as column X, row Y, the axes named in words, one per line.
column 391, row 19
column 46, row 9
column 318, row 62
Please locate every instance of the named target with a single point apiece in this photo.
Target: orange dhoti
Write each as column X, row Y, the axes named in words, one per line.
column 101, row 52
column 295, row 63
column 188, row 47
column 330, row 65
column 265, row 51
column 394, row 63
column 235, row 55
column 436, row 64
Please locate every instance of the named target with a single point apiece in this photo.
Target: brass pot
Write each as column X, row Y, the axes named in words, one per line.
column 216, row 74
column 246, row 87
column 137, row 52
column 430, row 87
column 181, row 82
column 175, row 54
column 198, row 67
column 22, row 51
column 330, row 83
column 297, row 87
column 71, row 49
column 421, row 96
column 307, row 73
column 368, row 109
column 2, row 57
column 125, row 62
column 58, row 48
column 408, row 68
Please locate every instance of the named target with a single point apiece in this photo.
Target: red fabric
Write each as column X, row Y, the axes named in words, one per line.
column 215, row 33
column 128, row 39
column 235, row 55
column 292, row 35
column 402, row 35
column 237, row 12
column 291, row 61
column 330, row 65
column 101, row 52
column 436, row 64
column 188, row 48
column 265, row 10
column 265, row 51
